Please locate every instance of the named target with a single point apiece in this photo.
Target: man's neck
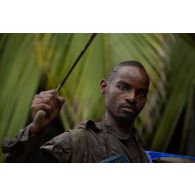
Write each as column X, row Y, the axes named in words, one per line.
column 122, row 126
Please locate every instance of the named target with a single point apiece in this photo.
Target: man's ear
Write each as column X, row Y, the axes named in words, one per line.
column 103, row 86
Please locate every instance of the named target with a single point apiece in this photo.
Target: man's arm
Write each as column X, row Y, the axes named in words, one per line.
column 26, row 145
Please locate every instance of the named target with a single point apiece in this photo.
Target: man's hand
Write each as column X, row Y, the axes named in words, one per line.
column 51, row 103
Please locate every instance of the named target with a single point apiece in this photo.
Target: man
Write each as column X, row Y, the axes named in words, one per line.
column 125, row 92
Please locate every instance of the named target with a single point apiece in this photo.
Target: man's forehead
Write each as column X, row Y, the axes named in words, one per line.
column 132, row 74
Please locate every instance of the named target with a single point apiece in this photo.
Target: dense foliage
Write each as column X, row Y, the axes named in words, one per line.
column 33, row 62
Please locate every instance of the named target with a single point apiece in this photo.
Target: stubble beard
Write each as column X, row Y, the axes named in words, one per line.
column 122, row 117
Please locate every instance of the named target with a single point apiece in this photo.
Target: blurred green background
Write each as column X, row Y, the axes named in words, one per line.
column 30, row 63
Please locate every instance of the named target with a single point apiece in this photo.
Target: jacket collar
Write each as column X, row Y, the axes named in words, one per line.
column 98, row 127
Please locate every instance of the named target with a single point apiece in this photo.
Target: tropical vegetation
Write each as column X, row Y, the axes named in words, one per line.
column 30, row 63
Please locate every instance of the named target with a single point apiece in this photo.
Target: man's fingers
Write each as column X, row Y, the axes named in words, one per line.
column 47, row 95
column 52, row 91
column 42, row 106
column 61, row 99
column 46, row 99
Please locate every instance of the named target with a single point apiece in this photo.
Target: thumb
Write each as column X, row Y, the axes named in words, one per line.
column 61, row 101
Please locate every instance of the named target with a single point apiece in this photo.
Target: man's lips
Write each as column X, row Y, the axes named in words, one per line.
column 129, row 108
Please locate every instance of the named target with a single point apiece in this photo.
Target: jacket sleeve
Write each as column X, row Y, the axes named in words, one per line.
column 23, row 148
column 57, row 149
column 68, row 146
column 37, row 148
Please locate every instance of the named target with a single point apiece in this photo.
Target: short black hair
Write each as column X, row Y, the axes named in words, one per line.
column 115, row 70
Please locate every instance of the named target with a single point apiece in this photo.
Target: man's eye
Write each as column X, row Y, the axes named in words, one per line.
column 143, row 94
column 123, row 88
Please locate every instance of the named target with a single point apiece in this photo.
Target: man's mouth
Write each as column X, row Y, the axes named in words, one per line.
column 129, row 108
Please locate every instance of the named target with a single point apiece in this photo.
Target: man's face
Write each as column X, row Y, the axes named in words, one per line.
column 126, row 95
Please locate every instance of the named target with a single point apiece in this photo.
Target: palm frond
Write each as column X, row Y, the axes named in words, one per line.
column 25, row 59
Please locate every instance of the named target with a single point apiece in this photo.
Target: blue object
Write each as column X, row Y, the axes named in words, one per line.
column 151, row 156
column 116, row 159
column 157, row 155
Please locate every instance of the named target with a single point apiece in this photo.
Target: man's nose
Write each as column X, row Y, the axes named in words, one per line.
column 131, row 96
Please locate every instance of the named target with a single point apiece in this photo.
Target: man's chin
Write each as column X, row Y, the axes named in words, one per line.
column 127, row 117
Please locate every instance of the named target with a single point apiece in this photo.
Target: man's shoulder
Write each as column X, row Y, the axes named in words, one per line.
column 79, row 132
column 88, row 125
column 74, row 138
